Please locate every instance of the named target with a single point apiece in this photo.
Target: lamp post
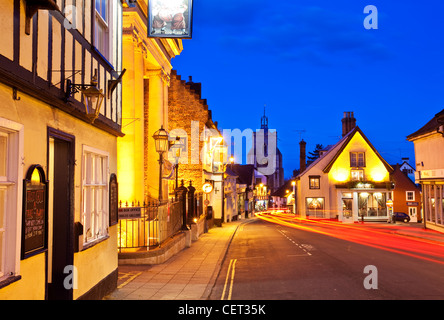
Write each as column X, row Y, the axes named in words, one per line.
column 161, row 142
column 176, row 154
column 293, row 183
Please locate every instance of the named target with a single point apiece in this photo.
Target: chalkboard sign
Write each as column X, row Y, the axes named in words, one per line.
column 35, row 213
column 113, row 200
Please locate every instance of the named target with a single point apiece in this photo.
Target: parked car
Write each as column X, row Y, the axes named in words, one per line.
column 400, row 216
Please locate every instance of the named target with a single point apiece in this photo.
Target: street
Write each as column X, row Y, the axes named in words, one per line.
column 277, row 257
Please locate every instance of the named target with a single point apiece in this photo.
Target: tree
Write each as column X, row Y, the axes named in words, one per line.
column 315, row 154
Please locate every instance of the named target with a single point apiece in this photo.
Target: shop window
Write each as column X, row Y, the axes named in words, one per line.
column 357, row 159
column 314, row 182
column 315, row 207
column 372, row 204
column 95, row 194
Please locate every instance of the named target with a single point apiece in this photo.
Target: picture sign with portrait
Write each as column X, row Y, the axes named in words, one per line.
column 170, row 18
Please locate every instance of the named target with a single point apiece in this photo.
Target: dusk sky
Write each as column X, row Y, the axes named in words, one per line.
column 309, row 61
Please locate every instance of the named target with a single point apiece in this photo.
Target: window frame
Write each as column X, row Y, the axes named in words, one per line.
column 11, row 184
column 407, row 195
column 355, row 161
column 88, row 185
column 313, row 185
column 105, row 25
column 361, row 175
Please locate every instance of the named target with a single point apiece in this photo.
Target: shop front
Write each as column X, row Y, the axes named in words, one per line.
column 364, row 205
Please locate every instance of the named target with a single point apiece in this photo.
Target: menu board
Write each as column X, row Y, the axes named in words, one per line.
column 113, row 200
column 34, row 233
column 34, row 215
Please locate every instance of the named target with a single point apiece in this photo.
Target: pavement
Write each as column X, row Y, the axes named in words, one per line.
column 191, row 274
column 188, row 275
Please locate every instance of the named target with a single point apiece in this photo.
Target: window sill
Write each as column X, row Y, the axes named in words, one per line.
column 9, row 280
column 92, row 243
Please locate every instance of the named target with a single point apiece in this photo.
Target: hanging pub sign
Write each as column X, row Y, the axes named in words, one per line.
column 170, row 18
column 35, row 212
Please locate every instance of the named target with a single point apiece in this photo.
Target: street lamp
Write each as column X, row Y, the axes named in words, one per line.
column 293, row 183
column 177, row 148
column 161, row 142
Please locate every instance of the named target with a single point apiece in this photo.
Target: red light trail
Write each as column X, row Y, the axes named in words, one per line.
column 382, row 237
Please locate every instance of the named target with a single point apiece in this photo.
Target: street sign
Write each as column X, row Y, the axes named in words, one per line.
column 130, row 213
column 389, row 203
column 207, row 187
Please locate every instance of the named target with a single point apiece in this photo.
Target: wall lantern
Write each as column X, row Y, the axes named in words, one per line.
column 92, row 96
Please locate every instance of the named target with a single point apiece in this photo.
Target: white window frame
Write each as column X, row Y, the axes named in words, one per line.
column 95, row 187
column 13, row 188
column 105, row 25
column 407, row 195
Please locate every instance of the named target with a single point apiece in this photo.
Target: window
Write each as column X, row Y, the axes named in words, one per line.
column 357, row 175
column 314, row 182
column 410, row 195
column 315, row 207
column 357, row 159
column 11, row 151
column 101, row 28
column 95, row 194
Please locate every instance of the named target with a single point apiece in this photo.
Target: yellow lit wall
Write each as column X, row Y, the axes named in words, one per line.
column 374, row 169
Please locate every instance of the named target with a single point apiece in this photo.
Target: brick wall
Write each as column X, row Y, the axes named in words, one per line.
column 184, row 106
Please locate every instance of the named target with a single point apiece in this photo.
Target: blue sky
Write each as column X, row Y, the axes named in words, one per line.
column 309, row 61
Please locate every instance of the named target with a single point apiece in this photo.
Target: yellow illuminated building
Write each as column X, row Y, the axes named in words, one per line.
column 349, row 181
column 58, row 232
column 145, row 105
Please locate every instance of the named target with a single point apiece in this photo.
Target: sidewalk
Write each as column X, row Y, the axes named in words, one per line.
column 189, row 275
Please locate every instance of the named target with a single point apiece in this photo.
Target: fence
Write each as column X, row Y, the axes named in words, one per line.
column 155, row 223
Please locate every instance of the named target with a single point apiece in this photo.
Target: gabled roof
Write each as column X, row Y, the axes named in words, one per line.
column 429, row 127
column 281, row 192
column 342, row 144
column 245, row 173
column 349, row 137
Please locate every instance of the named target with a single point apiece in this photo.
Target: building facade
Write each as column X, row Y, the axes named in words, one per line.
column 429, row 146
column 147, row 62
column 406, row 195
column 204, row 156
column 349, row 181
column 57, row 163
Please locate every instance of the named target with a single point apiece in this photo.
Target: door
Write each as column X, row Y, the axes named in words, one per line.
column 413, row 214
column 347, row 210
column 60, row 237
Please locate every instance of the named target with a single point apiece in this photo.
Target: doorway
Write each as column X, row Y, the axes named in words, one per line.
column 413, row 214
column 60, row 214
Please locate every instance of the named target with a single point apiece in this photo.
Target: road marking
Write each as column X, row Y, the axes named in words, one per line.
column 231, row 267
column 303, row 247
column 131, row 276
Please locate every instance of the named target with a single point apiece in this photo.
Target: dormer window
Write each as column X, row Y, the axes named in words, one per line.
column 357, row 159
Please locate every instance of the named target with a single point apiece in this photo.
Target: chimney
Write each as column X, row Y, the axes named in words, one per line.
column 348, row 123
column 302, row 155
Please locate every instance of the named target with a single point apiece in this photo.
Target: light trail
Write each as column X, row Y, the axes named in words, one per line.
column 424, row 249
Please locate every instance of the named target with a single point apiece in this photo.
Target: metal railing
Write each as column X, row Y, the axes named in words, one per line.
column 157, row 222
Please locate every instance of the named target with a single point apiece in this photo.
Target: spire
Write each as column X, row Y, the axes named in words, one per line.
column 264, row 121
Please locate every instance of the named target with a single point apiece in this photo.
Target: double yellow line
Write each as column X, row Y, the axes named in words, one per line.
column 232, row 268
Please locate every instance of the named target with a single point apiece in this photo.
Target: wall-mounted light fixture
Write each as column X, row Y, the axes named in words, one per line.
column 92, row 96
